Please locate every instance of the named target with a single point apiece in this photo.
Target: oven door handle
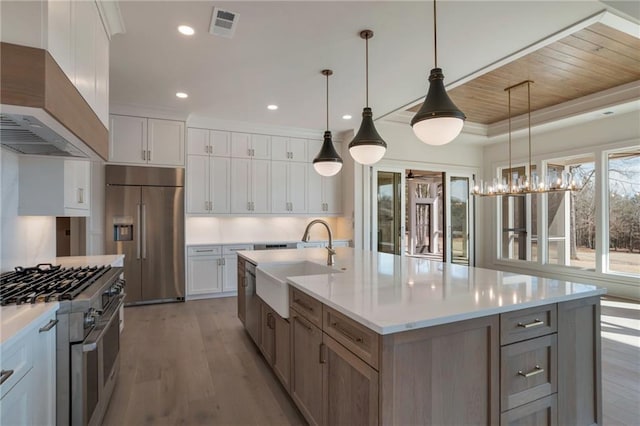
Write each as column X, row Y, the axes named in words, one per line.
column 91, row 342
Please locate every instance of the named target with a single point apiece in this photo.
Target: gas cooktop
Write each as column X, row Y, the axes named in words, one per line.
column 45, row 282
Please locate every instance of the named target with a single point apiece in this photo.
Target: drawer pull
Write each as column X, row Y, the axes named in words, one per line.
column 49, row 326
column 304, row 305
column 346, row 333
column 308, row 327
column 537, row 370
column 4, row 375
column 535, row 323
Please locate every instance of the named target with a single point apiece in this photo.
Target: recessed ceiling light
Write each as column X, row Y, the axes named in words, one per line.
column 182, row 95
column 346, row 117
column 272, row 107
column 186, row 30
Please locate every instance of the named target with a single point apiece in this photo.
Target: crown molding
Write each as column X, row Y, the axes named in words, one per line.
column 111, row 17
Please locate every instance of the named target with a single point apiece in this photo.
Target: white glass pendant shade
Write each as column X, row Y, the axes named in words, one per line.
column 367, row 154
column 438, row 131
column 327, row 168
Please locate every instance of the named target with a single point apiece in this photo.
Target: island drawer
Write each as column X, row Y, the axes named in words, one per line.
column 353, row 336
column 543, row 411
column 16, row 360
column 528, row 371
column 528, row 323
column 306, row 305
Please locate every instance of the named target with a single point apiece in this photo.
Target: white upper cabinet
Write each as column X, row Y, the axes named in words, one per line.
column 165, row 142
column 288, row 149
column 288, row 187
column 325, row 193
column 54, row 187
column 198, row 181
column 61, row 37
column 208, row 142
column 127, row 139
column 138, row 140
column 84, row 15
column 250, row 186
column 245, row 145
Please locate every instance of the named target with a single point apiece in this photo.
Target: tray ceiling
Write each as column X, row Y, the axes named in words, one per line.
column 588, row 61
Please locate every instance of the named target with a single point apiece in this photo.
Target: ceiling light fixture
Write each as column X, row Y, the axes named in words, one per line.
column 527, row 183
column 439, row 120
column 272, row 107
column 328, row 161
column 186, row 30
column 182, row 95
column 367, row 147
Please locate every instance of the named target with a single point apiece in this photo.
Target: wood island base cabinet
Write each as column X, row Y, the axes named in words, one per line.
column 534, row 366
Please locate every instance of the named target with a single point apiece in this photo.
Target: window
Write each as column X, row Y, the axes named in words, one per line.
column 571, row 216
column 519, row 228
column 624, row 211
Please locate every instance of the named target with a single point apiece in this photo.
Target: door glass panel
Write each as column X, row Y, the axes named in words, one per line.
column 389, row 206
column 459, row 220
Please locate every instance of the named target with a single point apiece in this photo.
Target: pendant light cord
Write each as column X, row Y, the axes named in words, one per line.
column 367, row 70
column 510, row 171
column 529, row 109
column 327, row 102
column 435, row 36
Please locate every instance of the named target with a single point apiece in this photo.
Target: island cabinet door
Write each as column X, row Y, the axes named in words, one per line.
column 350, row 389
column 282, row 361
column 306, row 369
column 242, row 302
column 442, row 375
column 579, row 364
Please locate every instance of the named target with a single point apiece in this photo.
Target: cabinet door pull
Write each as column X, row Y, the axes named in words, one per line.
column 535, row 323
column 308, row 327
column 224, row 261
column 4, row 375
column 144, row 155
column 323, row 353
column 49, row 326
column 149, row 155
column 304, row 305
column 204, row 251
column 346, row 333
column 537, row 370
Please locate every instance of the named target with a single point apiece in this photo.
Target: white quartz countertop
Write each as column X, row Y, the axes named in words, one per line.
column 389, row 294
column 100, row 260
column 15, row 319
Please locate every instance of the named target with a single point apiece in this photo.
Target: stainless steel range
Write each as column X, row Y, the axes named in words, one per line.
column 88, row 336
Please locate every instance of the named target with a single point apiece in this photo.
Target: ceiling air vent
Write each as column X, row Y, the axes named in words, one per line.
column 223, row 22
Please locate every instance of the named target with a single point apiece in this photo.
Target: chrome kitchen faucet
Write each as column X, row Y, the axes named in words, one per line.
column 331, row 252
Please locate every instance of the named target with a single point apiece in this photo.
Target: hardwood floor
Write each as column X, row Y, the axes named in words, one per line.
column 192, row 364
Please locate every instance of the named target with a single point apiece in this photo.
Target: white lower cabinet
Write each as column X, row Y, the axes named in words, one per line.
column 212, row 270
column 28, row 390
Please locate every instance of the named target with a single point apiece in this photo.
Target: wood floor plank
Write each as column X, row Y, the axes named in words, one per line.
column 192, row 363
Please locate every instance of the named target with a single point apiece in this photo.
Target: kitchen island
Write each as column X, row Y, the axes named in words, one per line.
column 383, row 339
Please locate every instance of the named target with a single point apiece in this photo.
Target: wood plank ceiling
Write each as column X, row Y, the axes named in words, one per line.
column 588, row 61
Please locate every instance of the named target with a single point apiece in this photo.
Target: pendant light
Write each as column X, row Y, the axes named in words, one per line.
column 439, row 120
column 367, row 147
column 328, row 161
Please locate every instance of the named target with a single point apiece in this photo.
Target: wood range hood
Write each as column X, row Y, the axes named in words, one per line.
column 36, row 93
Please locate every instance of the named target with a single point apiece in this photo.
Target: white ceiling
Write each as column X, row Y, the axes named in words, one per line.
column 279, row 49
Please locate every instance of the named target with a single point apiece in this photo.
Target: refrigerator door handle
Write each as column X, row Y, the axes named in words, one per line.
column 138, row 234
column 144, row 231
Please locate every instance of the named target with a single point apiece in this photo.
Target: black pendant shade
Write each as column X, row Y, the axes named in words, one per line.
column 437, row 103
column 327, row 152
column 367, row 147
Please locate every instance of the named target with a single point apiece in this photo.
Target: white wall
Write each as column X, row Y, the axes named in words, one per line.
column 26, row 240
column 609, row 132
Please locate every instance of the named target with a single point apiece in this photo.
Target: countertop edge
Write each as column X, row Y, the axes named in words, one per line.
column 12, row 332
column 447, row 319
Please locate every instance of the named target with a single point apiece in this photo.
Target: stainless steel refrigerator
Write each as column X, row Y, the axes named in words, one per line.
column 144, row 217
